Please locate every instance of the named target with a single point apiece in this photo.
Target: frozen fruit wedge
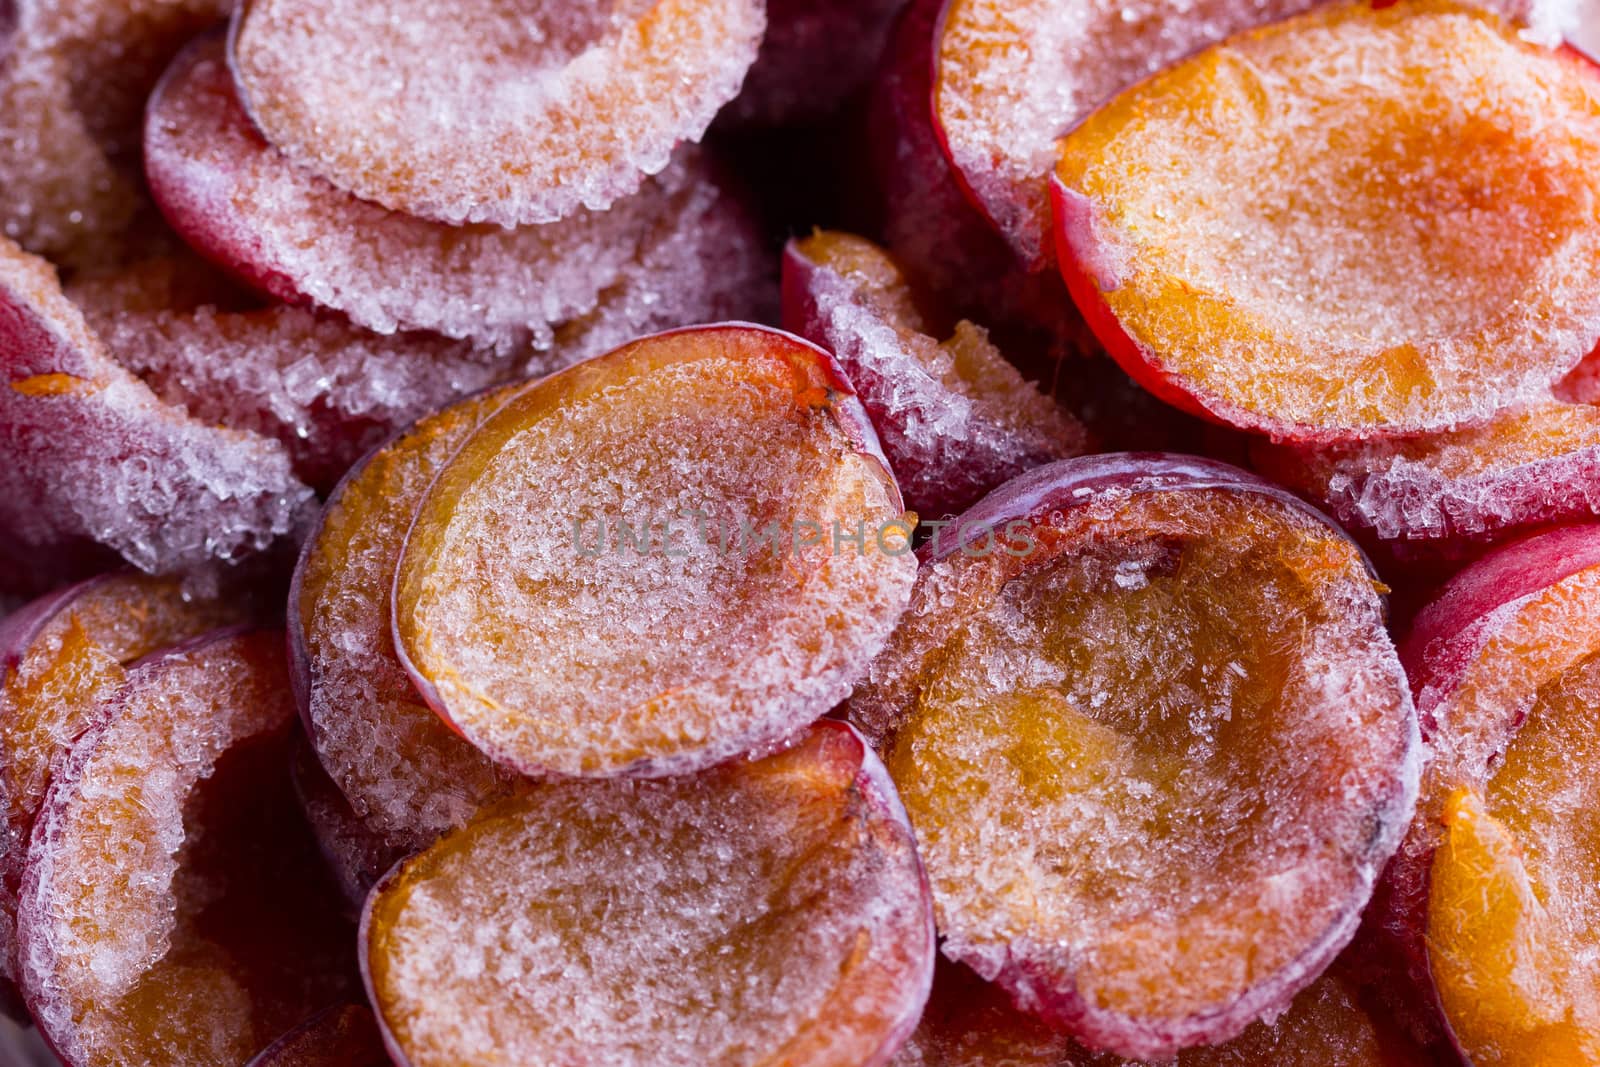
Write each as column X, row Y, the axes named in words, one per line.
column 73, row 81
column 956, row 420
column 707, row 547
column 1154, row 740
column 1012, row 75
column 1344, row 225
column 814, row 56
column 175, row 909
column 89, row 455
column 280, row 227
column 763, row 911
column 1492, row 654
column 346, row 1036
column 509, row 115
column 1443, row 494
column 327, row 390
column 972, row 1023
column 406, row 774
column 61, row 658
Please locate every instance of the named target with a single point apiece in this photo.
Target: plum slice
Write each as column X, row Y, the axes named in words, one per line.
column 241, row 202
column 1154, row 740
column 505, row 114
column 972, row 1023
column 955, row 418
column 73, row 81
column 175, row 909
column 763, row 911
column 1344, row 225
column 1012, row 75
column 1445, row 494
column 695, row 536
column 405, row 773
column 88, row 454
column 61, row 657
column 346, row 1036
column 1482, row 899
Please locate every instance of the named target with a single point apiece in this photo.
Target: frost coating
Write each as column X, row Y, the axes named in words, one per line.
column 1427, row 142
column 760, row 912
column 174, row 909
column 406, row 774
column 477, row 118
column 666, row 641
column 244, row 203
column 1154, row 764
column 88, row 453
column 956, row 420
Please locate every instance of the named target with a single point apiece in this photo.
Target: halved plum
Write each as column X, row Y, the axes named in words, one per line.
column 61, row 658
column 346, row 1036
column 695, row 536
column 956, row 420
column 1447, row 494
column 90, row 456
column 243, row 203
column 175, row 909
column 1308, row 230
column 73, row 81
column 509, row 115
column 406, row 774
column 1012, row 75
column 1482, row 899
column 1154, row 740
column 762, row 911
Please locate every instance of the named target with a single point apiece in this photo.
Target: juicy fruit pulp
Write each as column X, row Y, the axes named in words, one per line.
column 1155, row 755
column 1359, row 221
column 767, row 911
column 656, row 529
column 500, row 109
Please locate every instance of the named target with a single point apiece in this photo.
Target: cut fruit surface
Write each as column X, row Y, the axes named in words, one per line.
column 956, row 420
column 1448, row 492
column 175, row 909
column 1012, row 75
column 707, row 548
column 1155, row 743
column 510, row 114
column 90, row 456
column 61, row 659
column 284, row 229
column 771, row 911
column 406, row 774
column 340, row 1037
column 1344, row 225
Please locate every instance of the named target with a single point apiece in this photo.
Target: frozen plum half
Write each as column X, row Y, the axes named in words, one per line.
column 506, row 114
column 760, row 912
column 1344, row 225
column 1155, row 742
column 175, row 909
column 695, row 537
column 956, row 420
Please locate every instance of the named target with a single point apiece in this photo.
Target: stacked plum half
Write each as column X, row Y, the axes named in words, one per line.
column 668, row 533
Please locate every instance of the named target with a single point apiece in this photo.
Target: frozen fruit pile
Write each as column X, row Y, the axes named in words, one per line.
column 894, row 533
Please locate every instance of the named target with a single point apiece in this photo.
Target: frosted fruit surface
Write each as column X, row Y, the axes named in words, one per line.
column 565, row 533
column 1155, row 762
column 1245, row 215
column 302, row 239
column 955, row 418
column 760, row 912
column 175, row 909
column 91, row 454
column 405, row 772
column 1012, row 76
column 509, row 113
